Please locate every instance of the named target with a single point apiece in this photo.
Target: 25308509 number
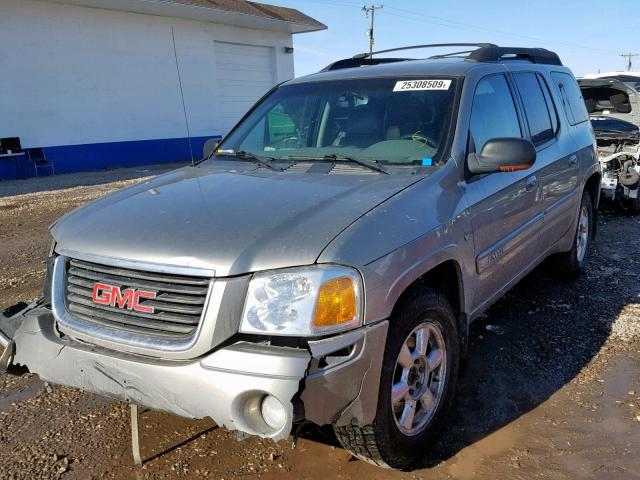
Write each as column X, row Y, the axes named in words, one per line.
column 408, row 85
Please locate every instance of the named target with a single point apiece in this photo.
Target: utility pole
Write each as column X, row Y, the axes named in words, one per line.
column 629, row 57
column 372, row 9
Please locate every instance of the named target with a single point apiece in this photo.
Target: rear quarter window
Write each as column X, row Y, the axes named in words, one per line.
column 571, row 96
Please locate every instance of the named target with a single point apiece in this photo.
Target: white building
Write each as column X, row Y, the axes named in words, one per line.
column 105, row 83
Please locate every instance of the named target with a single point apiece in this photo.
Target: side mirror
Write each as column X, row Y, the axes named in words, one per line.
column 503, row 155
column 210, row 146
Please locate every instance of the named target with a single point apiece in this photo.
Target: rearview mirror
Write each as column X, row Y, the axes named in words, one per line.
column 210, row 146
column 503, row 155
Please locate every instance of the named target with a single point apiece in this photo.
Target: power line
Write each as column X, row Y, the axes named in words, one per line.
column 434, row 20
column 629, row 57
column 371, row 10
column 430, row 19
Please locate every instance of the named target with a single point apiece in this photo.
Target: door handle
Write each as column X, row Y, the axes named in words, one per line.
column 532, row 182
column 573, row 160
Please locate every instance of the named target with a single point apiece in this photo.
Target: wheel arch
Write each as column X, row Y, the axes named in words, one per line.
column 446, row 278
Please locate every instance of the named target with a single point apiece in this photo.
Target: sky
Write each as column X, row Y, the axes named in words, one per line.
column 589, row 35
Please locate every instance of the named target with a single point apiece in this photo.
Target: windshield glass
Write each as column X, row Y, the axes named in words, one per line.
column 388, row 120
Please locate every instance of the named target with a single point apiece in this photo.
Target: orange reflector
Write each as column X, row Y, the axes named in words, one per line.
column 336, row 303
column 514, row 168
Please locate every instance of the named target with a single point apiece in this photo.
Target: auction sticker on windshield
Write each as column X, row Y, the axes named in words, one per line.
column 408, row 85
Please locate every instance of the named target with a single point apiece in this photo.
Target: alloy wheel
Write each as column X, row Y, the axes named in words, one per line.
column 582, row 237
column 419, row 378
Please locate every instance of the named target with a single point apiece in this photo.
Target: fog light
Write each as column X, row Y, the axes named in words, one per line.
column 273, row 412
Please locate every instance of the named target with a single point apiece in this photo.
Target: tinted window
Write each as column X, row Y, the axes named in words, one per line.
column 535, row 107
column 493, row 114
column 389, row 120
column 550, row 105
column 571, row 97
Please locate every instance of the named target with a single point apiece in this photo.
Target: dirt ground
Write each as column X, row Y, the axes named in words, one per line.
column 551, row 389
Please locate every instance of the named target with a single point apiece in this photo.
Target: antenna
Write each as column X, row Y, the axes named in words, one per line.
column 372, row 9
column 629, row 57
column 184, row 106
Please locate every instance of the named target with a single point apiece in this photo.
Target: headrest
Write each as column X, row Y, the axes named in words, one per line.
column 363, row 120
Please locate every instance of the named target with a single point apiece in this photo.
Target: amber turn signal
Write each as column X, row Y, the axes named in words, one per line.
column 336, row 303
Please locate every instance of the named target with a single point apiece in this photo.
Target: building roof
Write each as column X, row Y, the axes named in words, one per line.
column 259, row 10
column 241, row 13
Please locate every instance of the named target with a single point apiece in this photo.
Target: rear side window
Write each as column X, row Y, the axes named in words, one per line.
column 493, row 113
column 535, row 107
column 571, row 97
column 550, row 104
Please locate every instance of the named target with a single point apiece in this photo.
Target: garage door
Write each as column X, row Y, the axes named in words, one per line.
column 244, row 73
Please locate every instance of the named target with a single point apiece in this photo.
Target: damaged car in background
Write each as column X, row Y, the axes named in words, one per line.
column 323, row 263
column 613, row 104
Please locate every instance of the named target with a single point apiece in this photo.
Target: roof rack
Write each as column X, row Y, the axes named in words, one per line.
column 360, row 62
column 494, row 53
column 483, row 52
column 428, row 45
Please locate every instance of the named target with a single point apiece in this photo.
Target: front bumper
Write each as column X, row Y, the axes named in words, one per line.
column 334, row 381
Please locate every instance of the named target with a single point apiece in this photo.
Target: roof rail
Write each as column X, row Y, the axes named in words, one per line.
column 428, row 45
column 483, row 52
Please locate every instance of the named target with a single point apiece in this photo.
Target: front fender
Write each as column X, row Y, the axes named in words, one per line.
column 389, row 277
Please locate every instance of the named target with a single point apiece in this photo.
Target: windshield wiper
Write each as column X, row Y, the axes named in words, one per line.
column 372, row 165
column 244, row 155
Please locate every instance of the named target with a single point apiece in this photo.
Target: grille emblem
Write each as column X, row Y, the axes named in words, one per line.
column 129, row 298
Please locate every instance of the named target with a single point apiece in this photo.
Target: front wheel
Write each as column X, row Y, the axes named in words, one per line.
column 634, row 205
column 571, row 264
column 417, row 384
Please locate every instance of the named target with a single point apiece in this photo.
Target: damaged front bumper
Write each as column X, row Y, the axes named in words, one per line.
column 334, row 381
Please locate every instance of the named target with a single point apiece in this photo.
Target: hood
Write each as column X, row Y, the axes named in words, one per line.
column 611, row 98
column 230, row 217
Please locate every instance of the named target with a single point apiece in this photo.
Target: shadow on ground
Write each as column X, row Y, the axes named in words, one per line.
column 548, row 331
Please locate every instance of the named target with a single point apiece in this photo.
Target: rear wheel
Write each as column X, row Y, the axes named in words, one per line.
column 419, row 372
column 571, row 264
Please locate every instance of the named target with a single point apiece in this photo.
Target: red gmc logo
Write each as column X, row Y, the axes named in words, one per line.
column 114, row 297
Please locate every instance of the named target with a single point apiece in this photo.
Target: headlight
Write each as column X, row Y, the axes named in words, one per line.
column 303, row 301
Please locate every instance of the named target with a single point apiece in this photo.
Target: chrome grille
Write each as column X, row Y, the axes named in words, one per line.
column 178, row 305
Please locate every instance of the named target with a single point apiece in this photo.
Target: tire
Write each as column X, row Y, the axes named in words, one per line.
column 634, row 206
column 385, row 442
column 571, row 264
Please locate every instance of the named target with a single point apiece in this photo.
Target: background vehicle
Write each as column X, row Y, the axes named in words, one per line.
column 613, row 103
column 325, row 263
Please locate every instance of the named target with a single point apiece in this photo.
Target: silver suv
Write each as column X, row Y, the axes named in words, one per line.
column 323, row 264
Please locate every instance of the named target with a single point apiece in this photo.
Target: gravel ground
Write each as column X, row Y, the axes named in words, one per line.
column 551, row 389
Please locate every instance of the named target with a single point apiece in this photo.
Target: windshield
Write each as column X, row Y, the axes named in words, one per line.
column 387, row 120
